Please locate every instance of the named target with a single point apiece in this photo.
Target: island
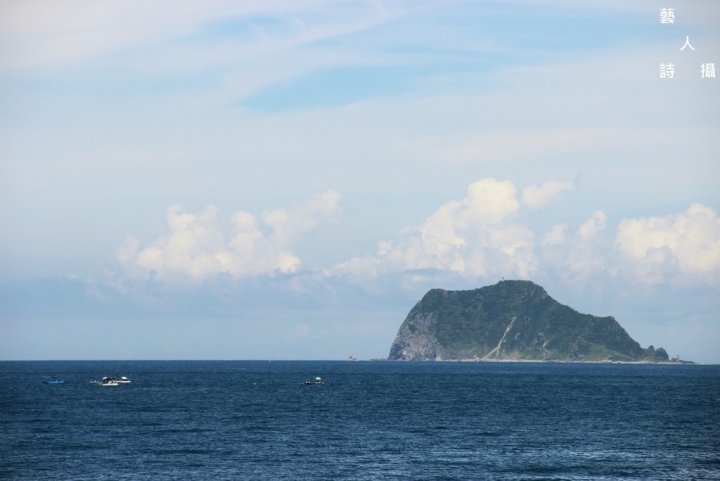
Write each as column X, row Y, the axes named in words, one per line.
column 513, row 320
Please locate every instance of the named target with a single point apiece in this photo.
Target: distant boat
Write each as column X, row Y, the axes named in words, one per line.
column 106, row 382
column 54, row 380
column 103, row 384
column 122, row 380
column 316, row 382
column 351, row 358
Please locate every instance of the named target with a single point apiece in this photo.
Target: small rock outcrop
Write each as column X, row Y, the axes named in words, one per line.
column 511, row 320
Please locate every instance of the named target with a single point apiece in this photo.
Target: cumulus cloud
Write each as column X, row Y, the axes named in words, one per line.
column 684, row 246
column 590, row 228
column 556, row 236
column 195, row 247
column 578, row 254
column 473, row 237
column 536, row 197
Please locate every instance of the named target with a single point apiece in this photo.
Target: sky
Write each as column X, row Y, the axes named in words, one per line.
column 286, row 179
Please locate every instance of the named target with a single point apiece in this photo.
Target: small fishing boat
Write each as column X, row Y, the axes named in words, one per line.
column 106, row 382
column 122, row 380
column 316, row 382
column 54, row 380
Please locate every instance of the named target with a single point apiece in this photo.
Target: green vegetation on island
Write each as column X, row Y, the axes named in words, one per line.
column 511, row 320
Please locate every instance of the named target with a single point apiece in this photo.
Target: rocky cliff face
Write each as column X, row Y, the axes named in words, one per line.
column 414, row 341
column 510, row 320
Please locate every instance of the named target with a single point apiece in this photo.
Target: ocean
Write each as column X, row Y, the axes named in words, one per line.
column 256, row 420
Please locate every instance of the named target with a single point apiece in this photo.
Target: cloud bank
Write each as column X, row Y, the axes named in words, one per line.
column 480, row 236
column 473, row 237
column 683, row 247
column 195, row 247
column 581, row 253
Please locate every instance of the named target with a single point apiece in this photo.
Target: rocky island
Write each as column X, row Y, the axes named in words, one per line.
column 511, row 320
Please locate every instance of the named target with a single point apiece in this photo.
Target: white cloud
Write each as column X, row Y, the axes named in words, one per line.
column 580, row 255
column 593, row 225
column 536, row 197
column 556, row 236
column 678, row 249
column 195, row 247
column 473, row 237
column 685, row 245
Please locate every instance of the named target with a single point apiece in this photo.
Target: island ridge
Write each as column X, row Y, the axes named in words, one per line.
column 511, row 320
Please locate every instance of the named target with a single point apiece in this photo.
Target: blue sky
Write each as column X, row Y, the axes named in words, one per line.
column 284, row 180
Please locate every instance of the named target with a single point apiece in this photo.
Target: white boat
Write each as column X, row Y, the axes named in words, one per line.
column 122, row 380
column 318, row 382
column 105, row 383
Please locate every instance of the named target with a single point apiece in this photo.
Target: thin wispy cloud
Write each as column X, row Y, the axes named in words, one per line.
column 40, row 33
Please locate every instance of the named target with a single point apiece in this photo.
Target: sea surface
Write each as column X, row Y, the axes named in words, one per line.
column 237, row 420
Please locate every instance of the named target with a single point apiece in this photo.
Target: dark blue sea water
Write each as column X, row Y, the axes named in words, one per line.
column 371, row 421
